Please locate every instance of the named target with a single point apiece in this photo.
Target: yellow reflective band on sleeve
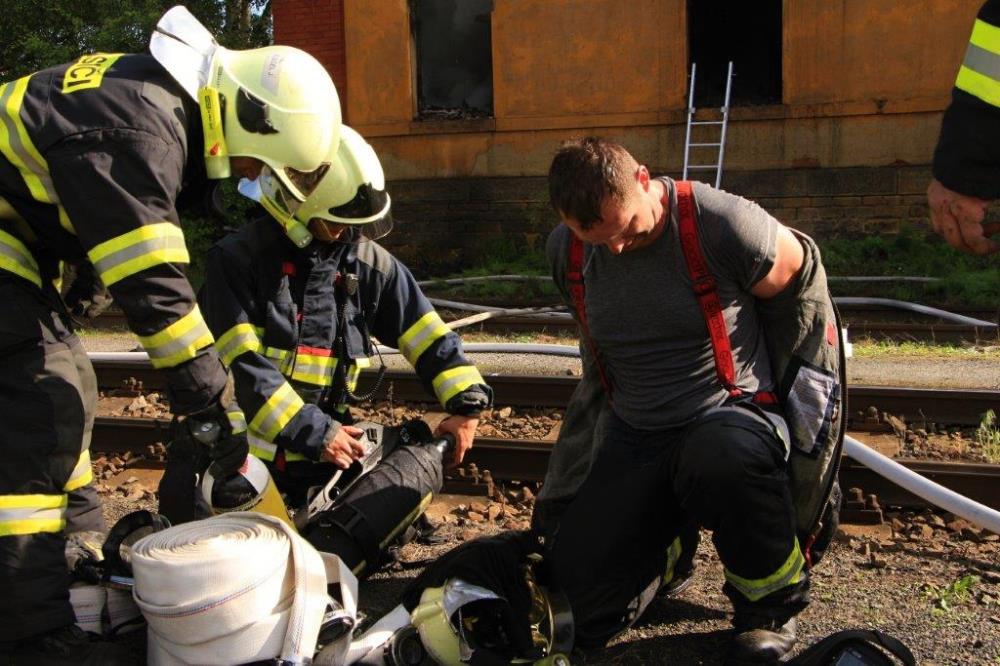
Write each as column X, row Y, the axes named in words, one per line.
column 180, row 341
column 32, row 514
column 787, row 574
column 267, row 451
column 139, row 249
column 282, row 356
column 238, row 340
column 673, row 554
column 16, row 258
column 17, row 147
column 455, row 380
column 275, row 414
column 88, row 71
column 82, row 473
column 417, row 338
column 979, row 74
column 353, row 372
column 237, row 421
column 314, row 369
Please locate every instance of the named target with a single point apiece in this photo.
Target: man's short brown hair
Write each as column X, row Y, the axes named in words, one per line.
column 585, row 171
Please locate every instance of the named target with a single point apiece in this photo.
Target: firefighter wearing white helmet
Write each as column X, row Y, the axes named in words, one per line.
column 294, row 307
column 97, row 157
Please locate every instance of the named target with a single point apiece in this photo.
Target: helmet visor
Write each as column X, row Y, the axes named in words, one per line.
column 368, row 216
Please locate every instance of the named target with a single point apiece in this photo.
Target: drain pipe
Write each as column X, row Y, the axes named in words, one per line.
column 922, row 487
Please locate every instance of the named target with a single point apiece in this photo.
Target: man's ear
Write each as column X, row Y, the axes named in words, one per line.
column 642, row 175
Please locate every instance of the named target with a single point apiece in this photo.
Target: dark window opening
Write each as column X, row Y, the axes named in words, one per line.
column 749, row 34
column 454, row 58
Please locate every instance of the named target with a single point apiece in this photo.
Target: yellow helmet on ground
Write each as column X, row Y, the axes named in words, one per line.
column 350, row 193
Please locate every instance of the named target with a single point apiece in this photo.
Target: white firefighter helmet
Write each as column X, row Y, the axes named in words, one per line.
column 351, row 193
column 251, row 488
column 276, row 104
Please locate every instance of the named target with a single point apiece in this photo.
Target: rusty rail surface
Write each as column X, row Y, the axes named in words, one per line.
column 942, row 406
column 526, row 460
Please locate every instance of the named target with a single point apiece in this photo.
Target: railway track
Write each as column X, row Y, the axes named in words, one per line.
column 942, row 406
column 526, row 460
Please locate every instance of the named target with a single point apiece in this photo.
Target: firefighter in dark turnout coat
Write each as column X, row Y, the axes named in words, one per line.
column 94, row 155
column 295, row 324
column 967, row 158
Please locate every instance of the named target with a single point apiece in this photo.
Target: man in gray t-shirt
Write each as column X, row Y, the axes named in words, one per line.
column 676, row 448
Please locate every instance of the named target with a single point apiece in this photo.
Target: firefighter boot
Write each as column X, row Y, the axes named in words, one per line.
column 761, row 640
column 68, row 646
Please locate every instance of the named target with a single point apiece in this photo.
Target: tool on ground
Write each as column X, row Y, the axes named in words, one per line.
column 365, row 508
column 250, row 488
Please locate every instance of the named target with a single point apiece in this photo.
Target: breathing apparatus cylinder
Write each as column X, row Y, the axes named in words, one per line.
column 380, row 506
column 250, row 488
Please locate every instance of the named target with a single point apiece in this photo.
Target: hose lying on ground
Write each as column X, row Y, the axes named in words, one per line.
column 236, row 588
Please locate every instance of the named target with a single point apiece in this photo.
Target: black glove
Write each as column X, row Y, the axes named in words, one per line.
column 87, row 296
column 211, row 428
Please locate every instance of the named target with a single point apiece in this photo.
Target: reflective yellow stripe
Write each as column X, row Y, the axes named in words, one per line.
column 17, row 147
column 180, row 341
column 268, row 451
column 32, row 514
column 353, row 373
column 455, row 380
column 238, row 340
column 673, row 554
column 237, row 421
column 417, row 338
column 976, row 84
column 14, row 257
column 787, row 574
column 82, row 473
column 985, row 36
column 275, row 414
column 282, row 356
column 314, row 369
column 137, row 250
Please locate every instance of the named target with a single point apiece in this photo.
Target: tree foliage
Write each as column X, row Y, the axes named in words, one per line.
column 36, row 35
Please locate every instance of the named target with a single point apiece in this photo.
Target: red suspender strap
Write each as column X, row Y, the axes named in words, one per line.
column 574, row 275
column 704, row 288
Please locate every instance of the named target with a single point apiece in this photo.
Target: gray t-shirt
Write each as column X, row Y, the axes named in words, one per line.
column 646, row 321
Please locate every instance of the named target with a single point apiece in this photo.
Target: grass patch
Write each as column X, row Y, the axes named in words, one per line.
column 867, row 348
column 988, row 436
column 965, row 280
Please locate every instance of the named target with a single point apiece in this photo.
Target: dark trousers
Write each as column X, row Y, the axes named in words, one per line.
column 48, row 396
column 620, row 535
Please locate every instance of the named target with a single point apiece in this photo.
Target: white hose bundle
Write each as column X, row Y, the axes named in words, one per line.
column 236, row 588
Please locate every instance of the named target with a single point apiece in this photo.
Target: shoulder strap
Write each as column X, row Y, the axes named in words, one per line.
column 705, row 288
column 577, row 293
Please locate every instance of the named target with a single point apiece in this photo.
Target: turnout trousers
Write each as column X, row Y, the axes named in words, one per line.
column 48, row 396
column 619, row 539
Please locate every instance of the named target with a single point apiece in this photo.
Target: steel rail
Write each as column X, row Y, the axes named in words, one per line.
column 526, row 460
column 963, row 407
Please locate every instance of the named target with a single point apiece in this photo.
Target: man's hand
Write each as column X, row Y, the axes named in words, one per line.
column 959, row 219
column 343, row 448
column 463, row 429
column 211, row 429
column 87, row 296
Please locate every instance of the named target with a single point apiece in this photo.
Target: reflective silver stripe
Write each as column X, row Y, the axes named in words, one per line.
column 22, row 155
column 982, row 61
column 237, row 421
column 32, row 514
column 421, row 335
column 261, row 448
column 314, row 369
column 237, row 340
column 178, row 342
column 14, row 257
column 275, row 414
column 453, row 381
column 139, row 249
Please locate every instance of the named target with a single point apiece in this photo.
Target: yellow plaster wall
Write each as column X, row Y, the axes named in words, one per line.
column 846, row 50
column 379, row 62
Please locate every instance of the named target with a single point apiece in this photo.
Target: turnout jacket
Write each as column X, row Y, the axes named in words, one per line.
column 274, row 309
column 93, row 157
column 967, row 158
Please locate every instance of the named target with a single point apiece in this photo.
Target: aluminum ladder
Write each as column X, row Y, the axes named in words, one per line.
column 724, row 123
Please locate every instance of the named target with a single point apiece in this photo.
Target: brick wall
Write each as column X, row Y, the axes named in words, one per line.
column 316, row 26
column 446, row 224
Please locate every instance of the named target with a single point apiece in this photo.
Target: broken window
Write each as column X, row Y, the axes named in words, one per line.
column 454, row 58
column 749, row 34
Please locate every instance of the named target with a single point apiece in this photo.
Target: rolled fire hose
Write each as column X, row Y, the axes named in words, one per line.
column 232, row 589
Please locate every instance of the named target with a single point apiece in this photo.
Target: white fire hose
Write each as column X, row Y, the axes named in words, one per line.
column 236, row 588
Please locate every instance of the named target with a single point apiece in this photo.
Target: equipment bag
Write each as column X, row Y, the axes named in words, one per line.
column 801, row 327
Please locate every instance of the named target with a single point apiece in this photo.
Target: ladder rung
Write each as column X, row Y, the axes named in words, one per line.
column 707, row 122
column 703, row 145
column 704, row 166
